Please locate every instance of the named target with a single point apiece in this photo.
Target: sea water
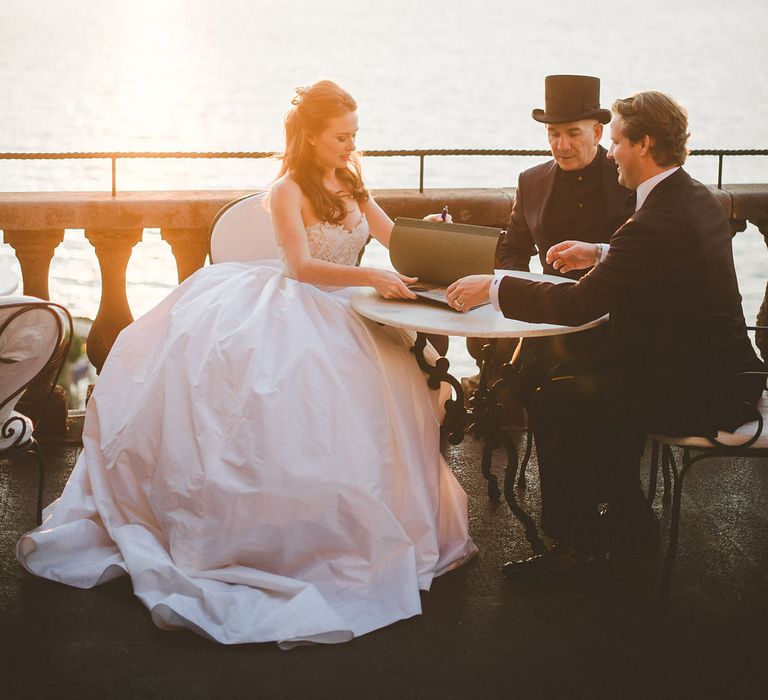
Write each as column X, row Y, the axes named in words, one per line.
column 205, row 75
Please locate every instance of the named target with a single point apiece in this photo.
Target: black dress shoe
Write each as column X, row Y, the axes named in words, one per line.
column 555, row 562
column 635, row 534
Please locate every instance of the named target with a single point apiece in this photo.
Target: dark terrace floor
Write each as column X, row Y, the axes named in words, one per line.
column 480, row 636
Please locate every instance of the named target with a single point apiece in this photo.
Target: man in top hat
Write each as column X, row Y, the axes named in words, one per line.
column 677, row 338
column 574, row 196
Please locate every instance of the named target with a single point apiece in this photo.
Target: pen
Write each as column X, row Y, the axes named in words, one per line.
column 444, row 213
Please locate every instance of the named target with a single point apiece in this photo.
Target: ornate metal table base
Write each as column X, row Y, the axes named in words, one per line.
column 484, row 418
column 489, row 412
column 456, row 416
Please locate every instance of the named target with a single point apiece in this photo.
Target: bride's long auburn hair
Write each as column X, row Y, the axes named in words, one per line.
column 313, row 107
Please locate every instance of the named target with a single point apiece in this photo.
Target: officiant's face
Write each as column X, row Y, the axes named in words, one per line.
column 574, row 144
column 335, row 144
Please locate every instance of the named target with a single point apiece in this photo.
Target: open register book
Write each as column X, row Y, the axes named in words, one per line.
column 439, row 254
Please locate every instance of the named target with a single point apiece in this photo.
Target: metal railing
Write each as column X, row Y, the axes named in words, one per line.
column 421, row 154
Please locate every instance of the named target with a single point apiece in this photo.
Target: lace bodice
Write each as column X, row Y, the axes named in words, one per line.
column 333, row 243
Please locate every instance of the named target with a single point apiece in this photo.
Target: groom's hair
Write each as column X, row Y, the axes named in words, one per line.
column 659, row 116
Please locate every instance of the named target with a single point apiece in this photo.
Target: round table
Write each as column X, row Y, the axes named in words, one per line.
column 481, row 322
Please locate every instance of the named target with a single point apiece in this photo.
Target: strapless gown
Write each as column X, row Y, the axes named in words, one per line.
column 262, row 462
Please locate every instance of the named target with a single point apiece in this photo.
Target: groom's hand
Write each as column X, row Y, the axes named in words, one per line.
column 468, row 292
column 572, row 255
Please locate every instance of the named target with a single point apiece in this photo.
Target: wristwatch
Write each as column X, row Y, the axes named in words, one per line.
column 598, row 253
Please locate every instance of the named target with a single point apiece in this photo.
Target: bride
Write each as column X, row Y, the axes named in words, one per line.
column 260, row 460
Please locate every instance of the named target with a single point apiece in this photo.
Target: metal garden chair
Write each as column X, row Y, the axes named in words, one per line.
column 35, row 336
column 749, row 440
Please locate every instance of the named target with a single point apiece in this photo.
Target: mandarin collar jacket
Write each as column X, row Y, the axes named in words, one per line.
column 526, row 234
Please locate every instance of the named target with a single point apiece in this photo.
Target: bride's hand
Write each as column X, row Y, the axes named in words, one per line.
column 391, row 285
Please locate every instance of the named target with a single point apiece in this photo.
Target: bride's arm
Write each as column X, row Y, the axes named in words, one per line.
column 285, row 204
column 380, row 224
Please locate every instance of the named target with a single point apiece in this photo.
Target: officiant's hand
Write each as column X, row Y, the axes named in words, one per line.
column 391, row 285
column 468, row 292
column 439, row 218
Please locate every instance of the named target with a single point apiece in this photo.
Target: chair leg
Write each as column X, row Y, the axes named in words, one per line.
column 511, row 469
column 526, row 456
column 654, row 473
column 674, row 525
column 485, row 467
column 667, row 461
column 34, row 449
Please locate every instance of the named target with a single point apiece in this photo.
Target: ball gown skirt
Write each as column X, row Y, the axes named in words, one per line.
column 263, row 463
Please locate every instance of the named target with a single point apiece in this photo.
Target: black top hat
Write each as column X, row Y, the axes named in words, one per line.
column 569, row 98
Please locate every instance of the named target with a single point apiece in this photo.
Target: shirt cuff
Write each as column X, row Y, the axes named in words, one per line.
column 493, row 292
column 603, row 248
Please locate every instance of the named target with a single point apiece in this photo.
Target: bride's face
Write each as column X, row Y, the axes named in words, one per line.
column 334, row 145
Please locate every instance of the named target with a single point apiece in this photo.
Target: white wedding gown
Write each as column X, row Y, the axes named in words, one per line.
column 262, row 461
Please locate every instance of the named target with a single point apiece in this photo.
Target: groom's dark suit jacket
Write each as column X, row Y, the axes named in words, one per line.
column 676, row 322
column 527, row 231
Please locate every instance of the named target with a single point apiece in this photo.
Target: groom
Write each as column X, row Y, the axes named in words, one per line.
column 676, row 328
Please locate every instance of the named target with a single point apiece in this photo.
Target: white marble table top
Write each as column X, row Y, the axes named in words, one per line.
column 481, row 322
column 8, row 281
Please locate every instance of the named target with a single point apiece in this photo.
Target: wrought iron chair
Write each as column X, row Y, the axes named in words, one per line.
column 35, row 336
column 749, row 440
column 242, row 231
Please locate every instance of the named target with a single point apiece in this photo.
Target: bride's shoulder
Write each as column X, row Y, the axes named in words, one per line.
column 285, row 186
column 285, row 192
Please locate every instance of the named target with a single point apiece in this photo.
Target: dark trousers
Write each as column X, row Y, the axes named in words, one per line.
column 589, row 443
column 537, row 360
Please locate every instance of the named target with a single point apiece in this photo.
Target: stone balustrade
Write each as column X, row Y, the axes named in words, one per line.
column 34, row 223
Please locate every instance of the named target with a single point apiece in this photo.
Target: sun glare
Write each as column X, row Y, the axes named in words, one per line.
column 151, row 71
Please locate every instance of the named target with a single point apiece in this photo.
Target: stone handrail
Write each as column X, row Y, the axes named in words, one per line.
column 34, row 223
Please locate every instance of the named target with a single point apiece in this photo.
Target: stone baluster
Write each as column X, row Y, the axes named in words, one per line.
column 34, row 250
column 113, row 250
column 761, row 337
column 189, row 247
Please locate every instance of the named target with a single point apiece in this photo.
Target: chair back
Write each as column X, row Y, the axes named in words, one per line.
column 242, row 231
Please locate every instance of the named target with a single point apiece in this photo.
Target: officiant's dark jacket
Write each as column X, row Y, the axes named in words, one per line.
column 676, row 322
column 553, row 205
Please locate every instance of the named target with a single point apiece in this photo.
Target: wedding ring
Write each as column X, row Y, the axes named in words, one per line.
column 460, row 303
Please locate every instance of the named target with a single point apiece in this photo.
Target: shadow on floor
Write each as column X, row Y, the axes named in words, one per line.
column 479, row 636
